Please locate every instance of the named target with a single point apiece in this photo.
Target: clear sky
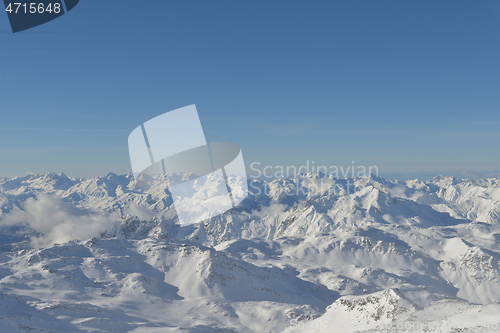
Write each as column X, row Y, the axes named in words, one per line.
column 409, row 86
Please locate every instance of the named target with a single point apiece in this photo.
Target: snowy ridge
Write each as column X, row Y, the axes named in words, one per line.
column 299, row 254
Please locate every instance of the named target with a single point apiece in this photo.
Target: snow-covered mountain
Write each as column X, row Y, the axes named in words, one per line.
column 310, row 253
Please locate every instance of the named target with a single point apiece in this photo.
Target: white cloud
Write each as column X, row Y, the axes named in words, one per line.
column 57, row 221
column 141, row 212
column 271, row 210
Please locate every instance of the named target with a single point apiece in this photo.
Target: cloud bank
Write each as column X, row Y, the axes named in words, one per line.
column 56, row 221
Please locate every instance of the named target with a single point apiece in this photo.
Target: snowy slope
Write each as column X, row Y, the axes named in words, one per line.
column 304, row 253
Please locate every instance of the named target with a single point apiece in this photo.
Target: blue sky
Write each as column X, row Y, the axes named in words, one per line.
column 409, row 86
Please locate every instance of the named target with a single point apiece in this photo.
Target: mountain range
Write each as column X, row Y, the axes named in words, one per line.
column 309, row 253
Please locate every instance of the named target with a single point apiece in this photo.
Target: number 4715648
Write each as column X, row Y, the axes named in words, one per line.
column 33, row 8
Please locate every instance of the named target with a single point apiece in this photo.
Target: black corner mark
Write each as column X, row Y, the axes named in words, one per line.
column 26, row 14
column 70, row 4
